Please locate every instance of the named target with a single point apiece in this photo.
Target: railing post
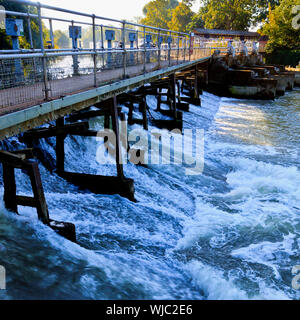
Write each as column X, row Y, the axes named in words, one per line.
column 169, row 48
column 124, row 49
column 51, row 34
column 43, row 52
column 190, row 47
column 102, row 45
column 75, row 49
column 144, row 50
column 31, row 41
column 159, row 48
column 95, row 52
column 178, row 39
column 30, row 31
column 137, row 47
column 184, row 49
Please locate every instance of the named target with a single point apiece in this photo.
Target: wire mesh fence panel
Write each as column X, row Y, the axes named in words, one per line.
column 21, row 81
column 140, row 57
column 109, row 67
column 70, row 74
column 151, row 60
column 131, row 58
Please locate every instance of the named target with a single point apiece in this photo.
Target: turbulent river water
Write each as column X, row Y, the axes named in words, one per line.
column 232, row 232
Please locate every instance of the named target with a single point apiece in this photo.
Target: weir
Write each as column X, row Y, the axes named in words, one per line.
column 124, row 75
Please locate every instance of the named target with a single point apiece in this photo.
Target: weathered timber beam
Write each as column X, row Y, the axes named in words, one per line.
column 24, row 153
column 10, row 159
column 194, row 101
column 55, row 131
column 26, row 201
column 86, row 133
column 64, row 229
column 87, row 115
column 168, row 124
column 101, row 184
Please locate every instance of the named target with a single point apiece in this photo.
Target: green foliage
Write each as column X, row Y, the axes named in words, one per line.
column 279, row 27
column 262, row 9
column 157, row 13
column 5, row 41
column 168, row 14
column 181, row 17
column 228, row 14
column 197, row 20
column 284, row 57
column 232, row 14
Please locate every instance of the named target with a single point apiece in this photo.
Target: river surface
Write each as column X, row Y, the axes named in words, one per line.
column 232, row 232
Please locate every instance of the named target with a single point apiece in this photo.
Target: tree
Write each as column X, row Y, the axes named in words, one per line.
column 262, row 9
column 168, row 14
column 197, row 21
column 181, row 17
column 228, row 14
column 279, row 27
column 158, row 13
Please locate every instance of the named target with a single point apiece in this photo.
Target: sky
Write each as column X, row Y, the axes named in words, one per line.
column 118, row 9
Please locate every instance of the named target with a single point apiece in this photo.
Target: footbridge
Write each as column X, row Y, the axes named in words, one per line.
column 45, row 82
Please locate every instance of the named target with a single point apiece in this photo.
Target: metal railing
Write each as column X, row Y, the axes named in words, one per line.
column 40, row 73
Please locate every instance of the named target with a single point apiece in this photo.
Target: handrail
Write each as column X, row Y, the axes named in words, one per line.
column 39, row 66
column 37, row 4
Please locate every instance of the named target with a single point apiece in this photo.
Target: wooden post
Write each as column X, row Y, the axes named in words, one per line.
column 130, row 113
column 196, row 91
column 159, row 99
column 143, row 107
column 178, row 89
column 115, row 125
column 173, row 93
column 38, row 192
column 106, row 121
column 10, row 190
column 60, row 147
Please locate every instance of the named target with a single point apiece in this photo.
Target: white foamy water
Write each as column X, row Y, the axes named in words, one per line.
column 230, row 233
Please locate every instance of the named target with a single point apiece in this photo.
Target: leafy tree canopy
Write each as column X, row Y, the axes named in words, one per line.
column 181, row 17
column 168, row 14
column 279, row 27
column 227, row 14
